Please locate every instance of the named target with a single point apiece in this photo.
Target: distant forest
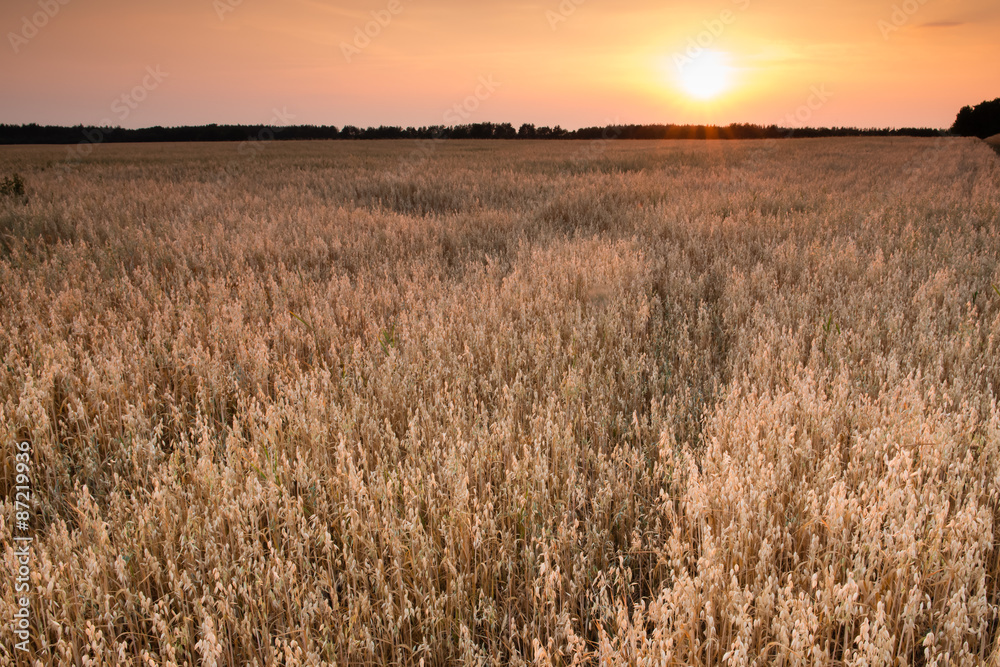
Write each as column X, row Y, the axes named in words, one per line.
column 52, row 134
column 982, row 120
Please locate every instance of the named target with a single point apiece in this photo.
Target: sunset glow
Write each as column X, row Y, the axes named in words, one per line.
column 568, row 62
column 706, row 76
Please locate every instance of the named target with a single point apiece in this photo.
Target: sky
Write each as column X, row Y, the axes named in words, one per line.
column 574, row 63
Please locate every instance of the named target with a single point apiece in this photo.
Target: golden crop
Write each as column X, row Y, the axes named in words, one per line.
column 719, row 403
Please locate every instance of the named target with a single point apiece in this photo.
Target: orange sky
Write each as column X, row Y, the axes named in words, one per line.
column 576, row 62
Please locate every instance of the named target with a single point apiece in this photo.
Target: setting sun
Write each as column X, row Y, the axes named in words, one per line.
column 706, row 76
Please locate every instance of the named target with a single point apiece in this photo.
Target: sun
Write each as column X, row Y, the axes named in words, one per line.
column 706, row 75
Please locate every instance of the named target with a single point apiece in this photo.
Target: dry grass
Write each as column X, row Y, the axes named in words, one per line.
column 642, row 403
column 994, row 142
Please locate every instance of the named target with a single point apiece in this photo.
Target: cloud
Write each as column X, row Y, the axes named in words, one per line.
column 942, row 24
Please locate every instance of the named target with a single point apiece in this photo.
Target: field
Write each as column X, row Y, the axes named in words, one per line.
column 994, row 142
column 494, row 403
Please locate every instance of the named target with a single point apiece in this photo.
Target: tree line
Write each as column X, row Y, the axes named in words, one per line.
column 982, row 120
column 54, row 134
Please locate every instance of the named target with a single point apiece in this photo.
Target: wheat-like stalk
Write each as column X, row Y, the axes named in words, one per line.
column 671, row 404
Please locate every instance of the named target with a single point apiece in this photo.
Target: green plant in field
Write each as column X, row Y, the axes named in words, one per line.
column 308, row 326
column 13, row 187
column 319, row 337
column 831, row 325
column 387, row 339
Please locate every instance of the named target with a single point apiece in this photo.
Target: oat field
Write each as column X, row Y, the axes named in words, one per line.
column 504, row 403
